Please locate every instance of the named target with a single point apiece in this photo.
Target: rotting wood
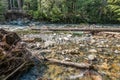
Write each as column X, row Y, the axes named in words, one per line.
column 72, row 64
column 45, row 51
column 12, row 55
column 78, row 29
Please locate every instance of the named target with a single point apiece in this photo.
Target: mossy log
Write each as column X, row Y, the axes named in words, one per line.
column 79, row 29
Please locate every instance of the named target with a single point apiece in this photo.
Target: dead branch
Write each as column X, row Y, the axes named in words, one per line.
column 72, row 64
column 22, row 65
column 45, row 51
column 12, row 54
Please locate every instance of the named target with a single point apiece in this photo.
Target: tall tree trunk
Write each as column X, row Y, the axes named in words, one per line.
column 10, row 3
column 14, row 4
column 19, row 4
column 40, row 8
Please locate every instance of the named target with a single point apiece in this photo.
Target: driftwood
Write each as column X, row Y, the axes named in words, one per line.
column 45, row 51
column 28, row 40
column 11, row 38
column 12, row 54
column 72, row 64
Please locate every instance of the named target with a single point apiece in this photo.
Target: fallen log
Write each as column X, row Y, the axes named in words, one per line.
column 114, row 33
column 72, row 64
column 78, row 29
column 28, row 40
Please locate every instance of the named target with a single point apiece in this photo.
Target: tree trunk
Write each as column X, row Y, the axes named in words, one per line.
column 14, row 7
column 19, row 4
column 10, row 3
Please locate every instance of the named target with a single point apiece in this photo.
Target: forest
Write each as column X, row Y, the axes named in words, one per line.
column 69, row 11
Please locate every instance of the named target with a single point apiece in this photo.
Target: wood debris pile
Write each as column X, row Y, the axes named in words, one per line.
column 109, row 34
column 13, row 54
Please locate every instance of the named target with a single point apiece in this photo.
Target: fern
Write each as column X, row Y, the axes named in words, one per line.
column 114, row 7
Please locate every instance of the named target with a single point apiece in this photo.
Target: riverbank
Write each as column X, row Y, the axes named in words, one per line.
column 14, row 27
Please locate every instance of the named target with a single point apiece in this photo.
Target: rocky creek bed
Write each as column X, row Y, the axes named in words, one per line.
column 101, row 51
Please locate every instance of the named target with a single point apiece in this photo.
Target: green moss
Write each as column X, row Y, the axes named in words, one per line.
column 77, row 33
column 23, row 32
column 38, row 39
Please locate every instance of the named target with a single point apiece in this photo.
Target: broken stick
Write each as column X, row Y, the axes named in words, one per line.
column 15, row 71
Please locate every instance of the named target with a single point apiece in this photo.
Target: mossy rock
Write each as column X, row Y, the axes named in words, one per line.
column 38, row 39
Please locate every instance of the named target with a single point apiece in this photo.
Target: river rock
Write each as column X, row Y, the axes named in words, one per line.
column 99, row 46
column 116, row 51
column 91, row 57
column 117, row 45
column 82, row 45
column 49, row 43
column 92, row 51
column 67, row 59
column 69, row 35
column 92, row 41
column 38, row 44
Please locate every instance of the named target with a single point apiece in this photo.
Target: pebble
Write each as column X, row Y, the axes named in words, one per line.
column 69, row 35
column 106, row 46
column 92, row 51
column 117, row 45
column 67, row 59
column 93, row 41
column 91, row 57
column 49, row 43
column 82, row 45
column 63, row 52
column 100, row 46
column 24, row 44
column 66, row 38
column 38, row 44
column 54, row 34
column 116, row 51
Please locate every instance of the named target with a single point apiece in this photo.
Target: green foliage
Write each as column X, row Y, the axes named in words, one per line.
column 75, row 11
column 72, row 11
column 3, row 8
column 114, row 7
